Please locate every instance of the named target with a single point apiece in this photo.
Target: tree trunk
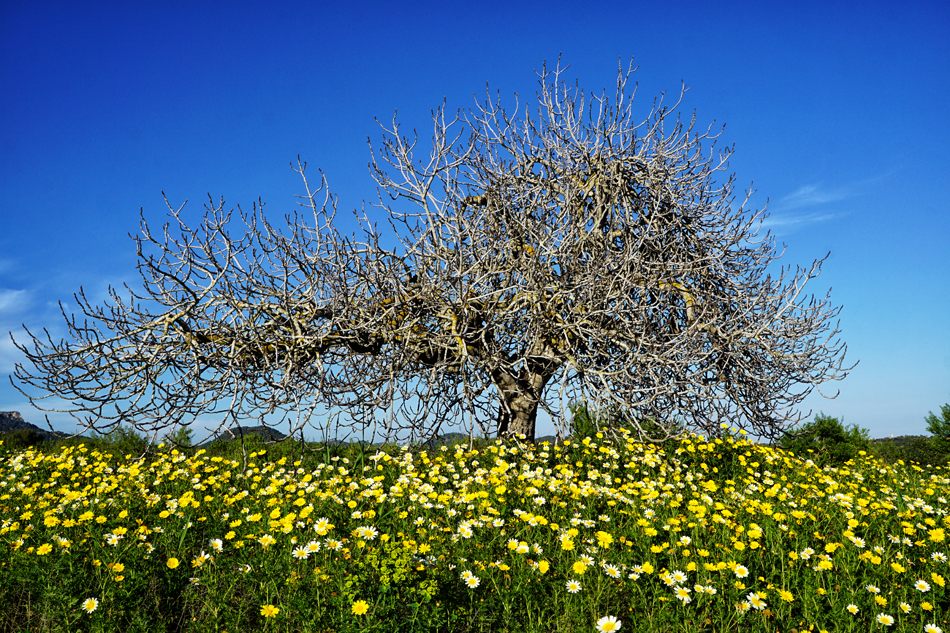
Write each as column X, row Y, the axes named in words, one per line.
column 518, row 411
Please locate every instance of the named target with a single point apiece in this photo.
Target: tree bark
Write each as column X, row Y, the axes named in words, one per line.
column 520, row 396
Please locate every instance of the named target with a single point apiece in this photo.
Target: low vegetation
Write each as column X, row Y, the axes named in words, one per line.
column 596, row 533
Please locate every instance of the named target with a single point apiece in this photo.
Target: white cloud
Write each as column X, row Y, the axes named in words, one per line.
column 13, row 301
column 9, row 354
column 792, row 221
column 792, row 212
column 811, row 195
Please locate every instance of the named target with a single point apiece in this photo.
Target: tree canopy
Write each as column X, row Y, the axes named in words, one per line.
column 528, row 263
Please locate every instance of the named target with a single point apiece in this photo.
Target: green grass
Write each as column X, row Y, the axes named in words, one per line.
column 696, row 535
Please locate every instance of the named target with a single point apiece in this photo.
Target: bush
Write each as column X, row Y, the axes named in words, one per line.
column 583, row 421
column 940, row 429
column 832, row 443
column 181, row 437
column 126, row 440
column 914, row 448
column 19, row 440
column 586, row 422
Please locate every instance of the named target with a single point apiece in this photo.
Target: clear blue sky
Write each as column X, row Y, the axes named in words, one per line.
column 838, row 112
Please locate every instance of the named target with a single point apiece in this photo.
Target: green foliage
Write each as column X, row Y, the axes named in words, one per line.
column 126, row 441
column 583, row 421
column 918, row 449
column 21, row 439
column 832, row 443
column 940, row 429
column 181, row 437
column 586, row 422
column 411, row 574
column 388, row 577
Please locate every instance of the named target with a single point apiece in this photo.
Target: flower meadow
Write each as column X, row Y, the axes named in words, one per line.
column 592, row 534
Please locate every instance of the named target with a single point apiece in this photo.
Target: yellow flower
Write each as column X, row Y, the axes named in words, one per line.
column 604, row 539
column 786, row 595
column 360, row 607
column 267, row 540
column 579, row 568
column 543, row 566
column 608, row 623
column 269, row 611
column 172, row 563
column 44, row 549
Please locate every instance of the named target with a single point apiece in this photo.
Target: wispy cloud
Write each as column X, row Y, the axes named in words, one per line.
column 814, row 203
column 796, row 209
column 811, row 195
column 788, row 221
column 13, row 301
column 9, row 354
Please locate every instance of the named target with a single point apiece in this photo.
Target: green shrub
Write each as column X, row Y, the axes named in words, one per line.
column 126, row 440
column 832, row 443
column 916, row 448
column 181, row 437
column 19, row 440
column 940, row 429
column 585, row 422
column 925, row 451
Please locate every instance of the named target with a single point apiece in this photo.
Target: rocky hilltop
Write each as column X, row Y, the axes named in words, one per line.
column 13, row 421
column 229, row 435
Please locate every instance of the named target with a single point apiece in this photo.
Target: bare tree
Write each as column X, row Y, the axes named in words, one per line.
column 579, row 255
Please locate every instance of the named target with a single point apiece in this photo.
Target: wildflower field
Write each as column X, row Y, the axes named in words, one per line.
column 598, row 534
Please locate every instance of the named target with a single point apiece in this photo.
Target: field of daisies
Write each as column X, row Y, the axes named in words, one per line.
column 599, row 534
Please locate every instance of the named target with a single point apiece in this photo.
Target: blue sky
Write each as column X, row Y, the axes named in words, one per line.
column 838, row 113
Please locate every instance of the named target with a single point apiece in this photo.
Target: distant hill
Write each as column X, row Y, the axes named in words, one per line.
column 229, row 435
column 900, row 440
column 13, row 421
